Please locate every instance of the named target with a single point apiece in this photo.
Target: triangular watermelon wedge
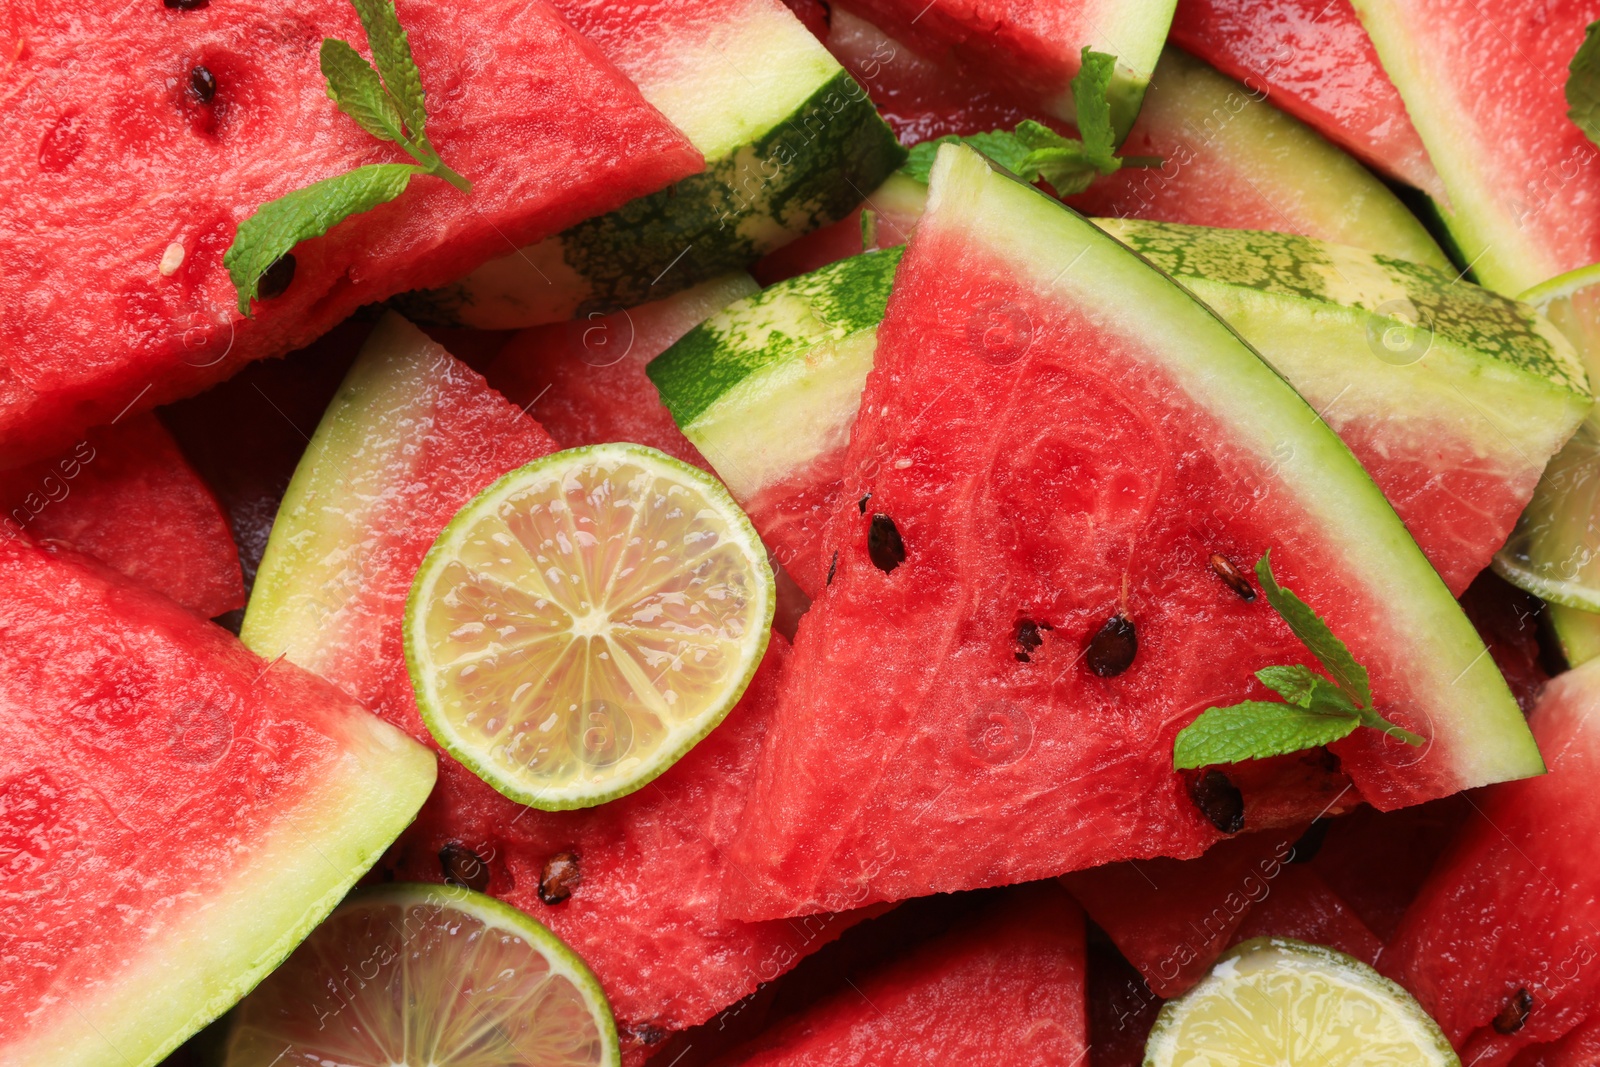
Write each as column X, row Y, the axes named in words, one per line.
column 1056, row 435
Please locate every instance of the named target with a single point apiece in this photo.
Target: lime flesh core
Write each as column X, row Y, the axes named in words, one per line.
column 1273, row 1002
column 426, row 976
column 584, row 621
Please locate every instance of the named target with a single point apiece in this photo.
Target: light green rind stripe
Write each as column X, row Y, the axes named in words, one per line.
column 779, row 323
column 1058, row 252
column 1577, row 631
column 1465, row 315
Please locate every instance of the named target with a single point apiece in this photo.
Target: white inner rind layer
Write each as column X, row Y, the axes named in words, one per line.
column 1067, row 259
column 203, row 953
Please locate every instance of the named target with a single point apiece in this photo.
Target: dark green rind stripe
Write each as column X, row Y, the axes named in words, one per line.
column 1287, row 265
column 827, row 304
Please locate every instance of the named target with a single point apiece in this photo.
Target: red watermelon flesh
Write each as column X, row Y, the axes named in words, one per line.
column 126, row 496
column 644, row 917
column 935, row 755
column 584, row 380
column 1377, row 860
column 1006, row 989
column 1320, row 66
column 1515, row 902
column 1171, row 918
column 1302, row 906
column 175, row 812
column 547, row 129
column 1122, row 1009
column 1580, row 1048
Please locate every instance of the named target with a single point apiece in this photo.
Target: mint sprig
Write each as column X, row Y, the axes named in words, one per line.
column 385, row 98
column 1314, row 710
column 1034, row 152
column 1583, row 84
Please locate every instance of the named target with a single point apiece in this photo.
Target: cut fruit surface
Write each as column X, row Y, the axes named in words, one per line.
column 175, row 813
column 585, row 620
column 126, row 496
column 1276, row 1001
column 142, row 311
column 1514, row 904
column 426, row 974
column 1232, row 159
column 791, row 142
column 1320, row 66
column 940, row 720
column 1303, row 907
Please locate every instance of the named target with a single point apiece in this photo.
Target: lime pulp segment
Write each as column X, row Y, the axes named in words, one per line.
column 1273, row 1002
column 426, row 976
column 586, row 620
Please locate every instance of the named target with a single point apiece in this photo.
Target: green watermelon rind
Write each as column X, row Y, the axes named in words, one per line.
column 368, row 819
column 498, row 915
column 802, row 171
column 1488, row 739
column 1159, row 1045
column 663, row 759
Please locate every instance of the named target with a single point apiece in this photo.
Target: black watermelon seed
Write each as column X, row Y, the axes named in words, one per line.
column 1310, row 843
column 646, row 1034
column 1232, row 575
column 560, row 876
column 276, row 278
column 1219, row 800
column 1111, row 651
column 884, row 545
column 463, row 867
column 1514, row 1016
column 832, row 567
column 186, row 5
column 204, row 84
column 862, row 503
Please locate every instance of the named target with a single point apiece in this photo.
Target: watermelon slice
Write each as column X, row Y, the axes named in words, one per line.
column 412, row 437
column 1171, row 918
column 1005, row 991
column 585, row 381
column 126, row 496
column 1521, row 177
column 925, row 723
column 1320, row 67
column 1580, row 1048
column 90, row 325
column 791, row 143
column 175, row 813
column 1032, row 50
column 1512, row 910
column 1234, row 160
column 1453, row 397
column 1302, row 906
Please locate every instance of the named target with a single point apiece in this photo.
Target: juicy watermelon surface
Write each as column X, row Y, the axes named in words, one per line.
column 1320, row 66
column 1302, row 906
column 88, row 334
column 126, row 496
column 893, row 771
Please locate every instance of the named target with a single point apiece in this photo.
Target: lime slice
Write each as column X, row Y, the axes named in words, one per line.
column 426, row 976
column 585, row 620
column 1272, row 1002
column 1554, row 552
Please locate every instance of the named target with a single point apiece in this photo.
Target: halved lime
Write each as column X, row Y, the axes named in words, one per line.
column 1554, row 552
column 1272, row 1002
column 426, row 976
column 585, row 620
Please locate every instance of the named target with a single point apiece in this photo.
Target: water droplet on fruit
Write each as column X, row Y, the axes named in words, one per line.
column 559, row 877
column 463, row 867
column 1514, row 1016
column 884, row 545
column 1219, row 800
column 204, row 84
column 1111, row 651
column 1232, row 575
column 276, row 278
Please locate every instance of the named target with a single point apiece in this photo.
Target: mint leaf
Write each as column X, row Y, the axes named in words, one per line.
column 1006, row 149
column 278, row 225
column 1583, row 84
column 391, row 54
column 1294, row 684
column 1068, row 168
column 1255, row 729
column 1091, row 99
column 355, row 87
column 1315, row 635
